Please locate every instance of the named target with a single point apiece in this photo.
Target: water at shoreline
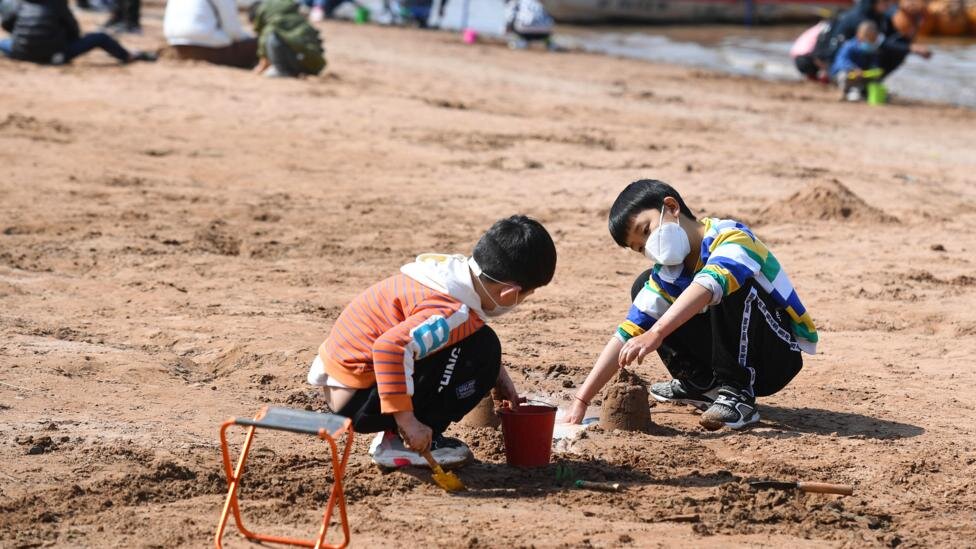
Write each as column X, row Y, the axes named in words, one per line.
column 761, row 51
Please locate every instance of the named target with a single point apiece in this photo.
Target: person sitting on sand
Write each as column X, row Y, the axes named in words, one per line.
column 856, row 56
column 716, row 306
column 46, row 32
column 288, row 45
column 527, row 21
column 413, row 352
column 209, row 30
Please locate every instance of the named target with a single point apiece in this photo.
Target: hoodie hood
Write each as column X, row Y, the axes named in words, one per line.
column 448, row 274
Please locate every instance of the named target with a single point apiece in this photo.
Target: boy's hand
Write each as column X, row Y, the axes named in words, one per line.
column 416, row 436
column 576, row 412
column 639, row 347
column 921, row 51
column 505, row 391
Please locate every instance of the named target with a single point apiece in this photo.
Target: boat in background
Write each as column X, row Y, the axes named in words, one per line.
column 692, row 11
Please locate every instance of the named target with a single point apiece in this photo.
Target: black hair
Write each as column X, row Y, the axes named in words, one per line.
column 517, row 249
column 645, row 194
column 252, row 11
column 868, row 25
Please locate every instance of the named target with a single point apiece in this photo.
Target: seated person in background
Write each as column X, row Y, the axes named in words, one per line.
column 412, row 354
column 46, row 32
column 287, row 44
column 209, row 30
column 856, row 56
column 527, row 21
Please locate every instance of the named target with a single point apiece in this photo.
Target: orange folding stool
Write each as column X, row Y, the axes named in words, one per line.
column 327, row 427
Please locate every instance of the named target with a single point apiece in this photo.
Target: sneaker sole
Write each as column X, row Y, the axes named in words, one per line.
column 716, row 424
column 401, row 462
column 701, row 405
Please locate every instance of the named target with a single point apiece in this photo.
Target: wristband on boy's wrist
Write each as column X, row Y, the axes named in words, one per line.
column 579, row 398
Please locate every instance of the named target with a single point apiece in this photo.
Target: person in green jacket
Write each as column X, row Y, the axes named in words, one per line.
column 288, row 45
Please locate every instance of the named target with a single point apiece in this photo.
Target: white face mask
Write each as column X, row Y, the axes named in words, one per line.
column 668, row 244
column 499, row 309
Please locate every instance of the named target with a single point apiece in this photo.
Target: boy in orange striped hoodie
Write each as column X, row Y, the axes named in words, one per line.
column 412, row 353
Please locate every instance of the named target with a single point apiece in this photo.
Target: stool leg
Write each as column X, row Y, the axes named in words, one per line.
column 337, row 495
column 233, row 481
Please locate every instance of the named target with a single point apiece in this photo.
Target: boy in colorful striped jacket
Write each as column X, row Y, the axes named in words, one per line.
column 716, row 306
column 413, row 353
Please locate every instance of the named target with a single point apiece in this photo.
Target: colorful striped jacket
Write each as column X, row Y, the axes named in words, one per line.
column 730, row 255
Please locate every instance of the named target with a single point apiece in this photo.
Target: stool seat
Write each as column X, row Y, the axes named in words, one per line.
column 296, row 421
column 327, row 427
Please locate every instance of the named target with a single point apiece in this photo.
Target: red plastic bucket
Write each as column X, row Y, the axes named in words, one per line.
column 528, row 435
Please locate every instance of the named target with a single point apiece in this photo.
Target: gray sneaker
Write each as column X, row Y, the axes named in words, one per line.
column 681, row 393
column 731, row 409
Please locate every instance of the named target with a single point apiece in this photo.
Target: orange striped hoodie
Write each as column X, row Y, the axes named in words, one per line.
column 429, row 305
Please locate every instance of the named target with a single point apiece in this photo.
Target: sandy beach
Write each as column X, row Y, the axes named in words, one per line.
column 176, row 240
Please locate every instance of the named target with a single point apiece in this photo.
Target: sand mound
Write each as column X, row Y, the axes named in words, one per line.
column 482, row 416
column 827, row 201
column 625, row 405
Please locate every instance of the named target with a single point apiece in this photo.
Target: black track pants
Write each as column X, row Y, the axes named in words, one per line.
column 745, row 342
column 447, row 385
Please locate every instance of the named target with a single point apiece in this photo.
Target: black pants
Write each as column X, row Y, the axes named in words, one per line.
column 126, row 11
column 447, row 385
column 889, row 61
column 96, row 40
column 284, row 59
column 807, row 66
column 744, row 342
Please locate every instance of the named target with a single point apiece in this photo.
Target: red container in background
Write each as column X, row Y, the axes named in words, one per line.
column 528, row 435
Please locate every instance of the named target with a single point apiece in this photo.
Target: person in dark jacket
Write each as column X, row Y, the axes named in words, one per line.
column 894, row 47
column 905, row 18
column 46, row 32
column 288, row 45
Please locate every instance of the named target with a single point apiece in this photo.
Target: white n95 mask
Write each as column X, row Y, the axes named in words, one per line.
column 499, row 309
column 668, row 244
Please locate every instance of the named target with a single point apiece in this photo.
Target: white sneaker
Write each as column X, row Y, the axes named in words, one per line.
column 853, row 95
column 388, row 451
column 316, row 15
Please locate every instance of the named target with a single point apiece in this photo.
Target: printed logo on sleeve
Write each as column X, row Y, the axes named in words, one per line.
column 433, row 334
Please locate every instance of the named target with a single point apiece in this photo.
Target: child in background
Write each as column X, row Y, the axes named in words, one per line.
column 288, row 46
column 46, row 32
column 803, row 54
column 856, row 56
column 716, row 306
column 413, row 354
column 527, row 21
